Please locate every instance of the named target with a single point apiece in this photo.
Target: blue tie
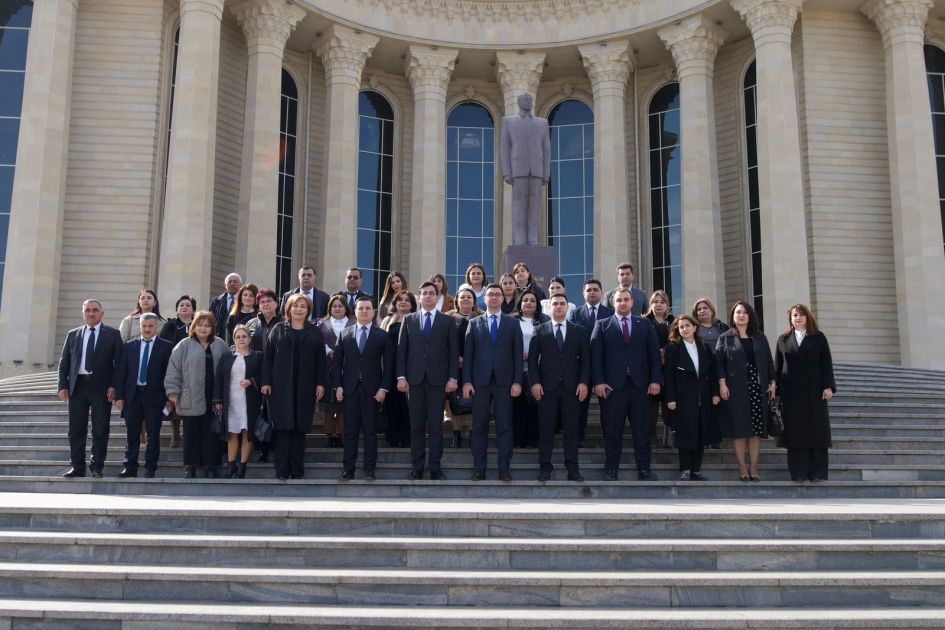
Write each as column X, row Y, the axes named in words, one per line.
column 143, row 372
column 427, row 327
column 363, row 341
column 494, row 329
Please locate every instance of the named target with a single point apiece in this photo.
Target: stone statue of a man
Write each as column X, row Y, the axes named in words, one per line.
column 526, row 165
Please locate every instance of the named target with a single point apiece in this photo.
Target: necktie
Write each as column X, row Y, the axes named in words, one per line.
column 494, row 329
column 143, row 372
column 626, row 332
column 363, row 340
column 559, row 337
column 89, row 350
column 427, row 326
column 593, row 316
column 229, row 303
column 351, row 301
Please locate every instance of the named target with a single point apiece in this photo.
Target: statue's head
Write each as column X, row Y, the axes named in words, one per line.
column 526, row 101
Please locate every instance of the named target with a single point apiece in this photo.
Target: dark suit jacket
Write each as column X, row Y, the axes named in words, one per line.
column 639, row 300
column 361, row 294
column 319, row 300
column 221, row 313
column 109, row 352
column 572, row 365
column 158, row 358
column 613, row 362
column 374, row 366
column 436, row 360
column 505, row 357
column 582, row 316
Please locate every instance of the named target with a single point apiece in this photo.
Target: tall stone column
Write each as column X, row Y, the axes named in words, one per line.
column 343, row 52
column 785, row 272
column 267, row 25
column 31, row 278
column 188, row 207
column 608, row 66
column 916, row 219
column 516, row 73
column 428, row 69
column 694, row 44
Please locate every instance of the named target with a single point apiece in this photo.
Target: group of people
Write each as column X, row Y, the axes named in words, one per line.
column 502, row 352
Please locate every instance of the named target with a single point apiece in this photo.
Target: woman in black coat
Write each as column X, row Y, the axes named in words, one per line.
column 294, row 379
column 691, row 392
column 804, row 370
column 746, row 371
column 398, row 413
column 524, row 407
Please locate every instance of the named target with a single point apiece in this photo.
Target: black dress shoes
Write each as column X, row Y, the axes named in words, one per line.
column 457, row 439
column 580, row 443
column 812, row 479
column 126, row 474
column 478, row 475
column 346, row 475
column 504, row 475
column 610, row 475
column 415, row 475
column 97, row 474
column 544, row 476
column 799, row 479
column 437, row 475
column 575, row 476
column 148, row 474
column 74, row 472
column 190, row 472
column 264, row 457
column 369, row 475
column 211, row 472
column 646, row 475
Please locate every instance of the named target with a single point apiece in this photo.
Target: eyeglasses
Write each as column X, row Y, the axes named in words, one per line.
column 493, row 295
column 427, row 293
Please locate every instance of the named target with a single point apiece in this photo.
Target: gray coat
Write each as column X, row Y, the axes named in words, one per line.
column 186, row 374
column 526, row 147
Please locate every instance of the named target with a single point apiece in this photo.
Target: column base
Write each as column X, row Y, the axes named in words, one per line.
column 541, row 261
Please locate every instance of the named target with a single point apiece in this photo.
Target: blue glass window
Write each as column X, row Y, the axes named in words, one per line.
column 16, row 17
column 470, row 191
column 666, row 193
column 375, row 189
column 935, row 69
column 571, row 190
column 754, row 194
column 288, row 132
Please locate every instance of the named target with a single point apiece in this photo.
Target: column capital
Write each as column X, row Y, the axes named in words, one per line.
column 763, row 16
column 430, row 67
column 898, row 17
column 518, row 73
column 608, row 62
column 694, row 43
column 343, row 52
column 267, row 21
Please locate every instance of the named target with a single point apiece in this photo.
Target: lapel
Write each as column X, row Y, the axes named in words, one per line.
column 735, row 344
column 685, row 361
column 136, row 355
column 808, row 343
column 791, row 342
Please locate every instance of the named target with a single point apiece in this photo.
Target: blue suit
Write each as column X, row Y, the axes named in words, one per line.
column 492, row 369
column 629, row 369
column 143, row 403
column 581, row 316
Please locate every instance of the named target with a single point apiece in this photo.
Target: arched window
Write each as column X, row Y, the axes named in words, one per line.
column 470, row 191
column 666, row 194
column 288, row 132
column 16, row 16
column 935, row 69
column 571, row 190
column 375, row 189
column 754, row 194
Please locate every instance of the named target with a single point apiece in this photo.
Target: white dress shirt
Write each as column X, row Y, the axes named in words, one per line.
column 564, row 329
column 337, row 325
column 693, row 353
column 799, row 336
column 85, row 340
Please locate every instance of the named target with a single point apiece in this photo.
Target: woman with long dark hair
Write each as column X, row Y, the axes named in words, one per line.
column 509, row 294
column 395, row 283
column 446, row 302
column 524, row 409
column 130, row 327
column 477, row 279
column 398, row 413
column 244, row 309
column 465, row 309
column 338, row 318
column 526, row 281
column 661, row 316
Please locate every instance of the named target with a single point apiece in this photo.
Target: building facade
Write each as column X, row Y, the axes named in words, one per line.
column 778, row 151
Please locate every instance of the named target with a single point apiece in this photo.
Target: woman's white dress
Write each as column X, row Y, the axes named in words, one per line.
column 236, row 419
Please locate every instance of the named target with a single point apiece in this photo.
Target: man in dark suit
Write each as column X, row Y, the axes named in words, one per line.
column 625, row 280
column 222, row 305
column 88, row 371
column 427, row 370
column 626, row 365
column 353, row 291
column 362, row 372
column 307, row 288
column 141, row 395
column 492, row 374
column 586, row 317
column 559, row 365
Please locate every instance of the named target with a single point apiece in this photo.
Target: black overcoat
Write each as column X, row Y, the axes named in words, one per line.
column 683, row 386
column 221, row 384
column 803, row 374
column 290, row 409
column 732, row 365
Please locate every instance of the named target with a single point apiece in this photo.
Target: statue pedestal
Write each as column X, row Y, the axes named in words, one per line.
column 541, row 261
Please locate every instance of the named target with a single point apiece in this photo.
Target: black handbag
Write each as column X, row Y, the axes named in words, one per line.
column 381, row 423
column 262, row 427
column 527, row 384
column 775, row 424
column 460, row 406
column 216, row 423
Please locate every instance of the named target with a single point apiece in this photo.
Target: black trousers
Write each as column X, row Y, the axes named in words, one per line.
column 627, row 402
column 807, row 463
column 655, row 406
column 691, row 459
column 582, row 415
column 289, row 453
column 201, row 445
column 398, row 419
column 360, row 417
column 136, row 413
column 483, row 400
column 558, row 402
column 84, row 400
column 525, row 432
column 426, row 403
